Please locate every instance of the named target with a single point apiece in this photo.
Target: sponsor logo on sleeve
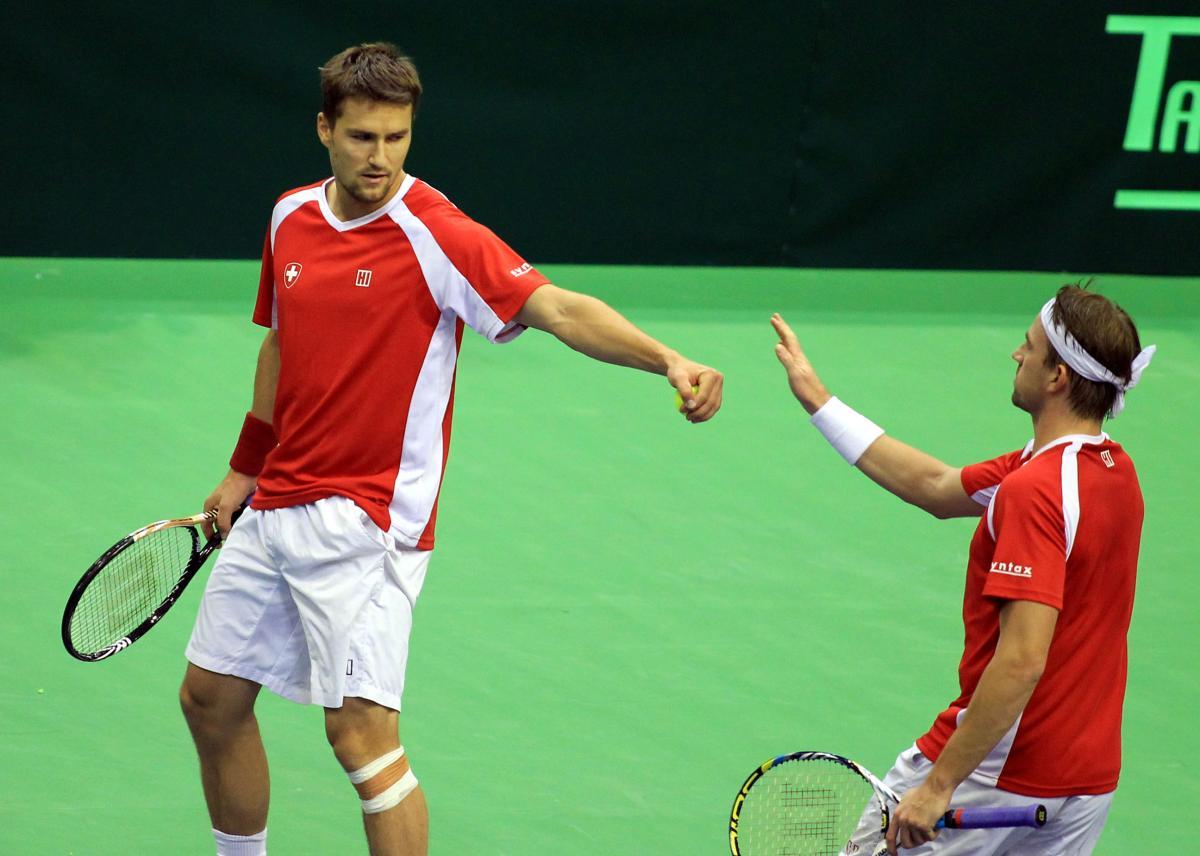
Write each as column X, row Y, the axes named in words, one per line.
column 1107, row 457
column 363, row 279
column 522, row 270
column 1012, row 570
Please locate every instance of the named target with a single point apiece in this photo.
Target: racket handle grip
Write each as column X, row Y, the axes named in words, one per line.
column 992, row 818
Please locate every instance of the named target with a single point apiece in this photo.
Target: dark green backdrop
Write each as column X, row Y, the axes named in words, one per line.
column 812, row 133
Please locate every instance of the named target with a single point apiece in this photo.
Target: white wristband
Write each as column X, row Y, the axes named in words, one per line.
column 846, row 429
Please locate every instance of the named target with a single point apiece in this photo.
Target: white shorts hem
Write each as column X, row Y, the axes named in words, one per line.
column 289, row 691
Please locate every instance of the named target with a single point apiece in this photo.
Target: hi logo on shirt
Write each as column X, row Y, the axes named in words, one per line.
column 1107, row 457
column 1012, row 570
column 522, row 270
column 291, row 273
column 363, row 279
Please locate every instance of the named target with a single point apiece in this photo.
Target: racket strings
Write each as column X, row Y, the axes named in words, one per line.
column 131, row 587
column 803, row 808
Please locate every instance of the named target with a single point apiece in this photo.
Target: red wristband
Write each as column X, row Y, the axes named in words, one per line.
column 255, row 441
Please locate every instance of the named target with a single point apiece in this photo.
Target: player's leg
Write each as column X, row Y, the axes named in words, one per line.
column 246, row 634
column 365, row 737
column 233, row 765
column 354, row 590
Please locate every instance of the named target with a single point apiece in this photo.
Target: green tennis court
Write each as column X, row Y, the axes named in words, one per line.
column 625, row 613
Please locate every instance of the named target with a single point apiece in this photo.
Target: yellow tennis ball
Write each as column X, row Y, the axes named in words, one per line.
column 679, row 398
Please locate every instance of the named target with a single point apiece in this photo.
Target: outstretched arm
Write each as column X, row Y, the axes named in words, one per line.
column 594, row 328
column 914, row 476
column 236, row 486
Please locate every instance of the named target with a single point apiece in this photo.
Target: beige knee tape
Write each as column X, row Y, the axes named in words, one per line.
column 384, row 782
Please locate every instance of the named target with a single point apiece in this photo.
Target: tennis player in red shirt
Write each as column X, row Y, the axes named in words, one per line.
column 1049, row 587
column 369, row 279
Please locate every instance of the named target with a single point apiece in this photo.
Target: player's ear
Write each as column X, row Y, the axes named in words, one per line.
column 1061, row 379
column 324, row 130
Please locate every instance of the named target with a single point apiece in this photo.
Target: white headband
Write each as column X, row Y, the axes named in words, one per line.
column 1085, row 365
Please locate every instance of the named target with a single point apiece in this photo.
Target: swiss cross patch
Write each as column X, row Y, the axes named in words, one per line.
column 291, row 273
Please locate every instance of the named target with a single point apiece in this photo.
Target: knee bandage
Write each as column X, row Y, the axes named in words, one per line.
column 384, row 782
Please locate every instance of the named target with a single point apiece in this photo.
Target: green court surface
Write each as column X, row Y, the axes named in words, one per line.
column 625, row 613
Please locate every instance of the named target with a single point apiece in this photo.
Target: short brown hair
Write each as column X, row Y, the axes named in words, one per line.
column 376, row 70
column 1105, row 331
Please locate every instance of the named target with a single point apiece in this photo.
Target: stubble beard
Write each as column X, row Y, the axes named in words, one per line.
column 1021, row 404
column 368, row 195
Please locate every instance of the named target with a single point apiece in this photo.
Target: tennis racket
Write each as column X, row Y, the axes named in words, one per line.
column 132, row 585
column 810, row 804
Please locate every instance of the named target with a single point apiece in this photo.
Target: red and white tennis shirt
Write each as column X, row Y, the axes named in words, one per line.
column 370, row 314
column 1062, row 527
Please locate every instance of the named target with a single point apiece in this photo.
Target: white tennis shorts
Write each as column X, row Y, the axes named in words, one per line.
column 314, row 602
column 1073, row 824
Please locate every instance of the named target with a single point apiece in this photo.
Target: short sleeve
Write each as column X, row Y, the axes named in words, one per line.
column 264, row 307
column 981, row 480
column 1029, row 561
column 471, row 271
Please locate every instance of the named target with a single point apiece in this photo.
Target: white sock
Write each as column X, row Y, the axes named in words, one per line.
column 240, row 845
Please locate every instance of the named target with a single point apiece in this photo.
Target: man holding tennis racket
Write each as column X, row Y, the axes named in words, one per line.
column 368, row 279
column 1049, row 587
